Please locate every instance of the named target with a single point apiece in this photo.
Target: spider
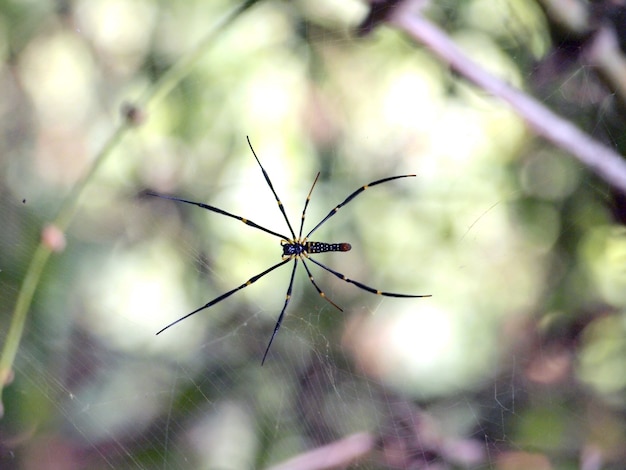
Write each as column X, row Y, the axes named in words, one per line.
column 294, row 249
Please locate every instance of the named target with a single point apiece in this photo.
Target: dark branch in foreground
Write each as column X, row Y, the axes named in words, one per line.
column 599, row 158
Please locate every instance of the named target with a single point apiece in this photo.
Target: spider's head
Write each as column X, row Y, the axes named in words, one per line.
column 291, row 248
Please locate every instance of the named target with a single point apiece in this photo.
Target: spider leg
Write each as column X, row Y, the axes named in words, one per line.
column 320, row 292
column 306, row 204
column 282, row 312
column 219, row 211
column 218, row 299
column 269, row 183
column 363, row 286
column 352, row 196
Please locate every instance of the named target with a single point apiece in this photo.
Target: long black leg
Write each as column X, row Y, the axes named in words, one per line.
column 363, row 286
column 352, row 196
column 319, row 291
column 219, row 211
column 269, row 183
column 216, row 300
column 282, row 312
column 306, row 204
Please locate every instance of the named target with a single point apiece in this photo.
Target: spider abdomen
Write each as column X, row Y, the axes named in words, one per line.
column 297, row 248
column 321, row 247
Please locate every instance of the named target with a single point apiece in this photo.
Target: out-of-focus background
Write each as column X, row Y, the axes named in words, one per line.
column 517, row 359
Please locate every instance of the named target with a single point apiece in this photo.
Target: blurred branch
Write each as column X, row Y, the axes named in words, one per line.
column 604, row 53
column 571, row 15
column 181, row 69
column 338, row 454
column 40, row 259
column 601, row 159
column 420, row 445
column 66, row 213
column 598, row 29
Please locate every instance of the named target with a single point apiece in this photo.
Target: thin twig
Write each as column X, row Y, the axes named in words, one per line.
column 66, row 213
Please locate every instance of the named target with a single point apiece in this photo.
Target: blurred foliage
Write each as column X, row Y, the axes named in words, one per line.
column 515, row 362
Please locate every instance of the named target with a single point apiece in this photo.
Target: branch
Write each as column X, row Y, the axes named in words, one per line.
column 338, row 454
column 598, row 157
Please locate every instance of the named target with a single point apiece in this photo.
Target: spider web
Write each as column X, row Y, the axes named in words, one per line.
column 506, row 366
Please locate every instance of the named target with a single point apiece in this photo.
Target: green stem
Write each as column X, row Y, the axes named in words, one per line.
column 161, row 88
column 182, row 68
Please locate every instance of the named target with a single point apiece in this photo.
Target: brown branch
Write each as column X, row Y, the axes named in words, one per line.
column 599, row 158
column 338, row 454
